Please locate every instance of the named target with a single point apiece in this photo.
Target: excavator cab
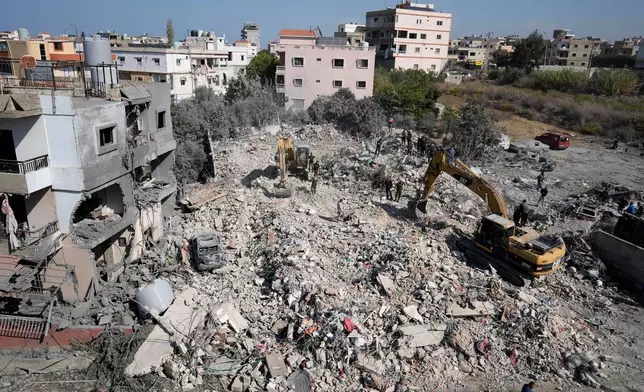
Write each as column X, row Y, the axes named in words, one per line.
column 494, row 234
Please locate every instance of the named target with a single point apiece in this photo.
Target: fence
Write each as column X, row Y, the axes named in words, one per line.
column 23, row 167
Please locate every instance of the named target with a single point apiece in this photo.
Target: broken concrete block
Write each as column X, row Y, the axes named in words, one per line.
column 480, row 309
column 227, row 313
column 412, row 312
column 387, row 284
column 104, row 320
column 237, row 385
column 276, row 365
column 422, row 335
column 369, row 365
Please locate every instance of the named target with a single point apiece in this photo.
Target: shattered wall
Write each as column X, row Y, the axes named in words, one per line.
column 28, row 136
column 147, row 225
column 41, row 208
column 81, row 263
column 623, row 258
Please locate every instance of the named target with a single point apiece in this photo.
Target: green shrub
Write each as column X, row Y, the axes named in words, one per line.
column 511, row 75
column 591, row 128
column 565, row 80
column 614, row 82
column 506, row 107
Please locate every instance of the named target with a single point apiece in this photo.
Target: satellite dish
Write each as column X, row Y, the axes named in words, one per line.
column 28, row 62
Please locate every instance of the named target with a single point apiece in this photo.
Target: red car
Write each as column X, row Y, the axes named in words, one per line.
column 556, row 141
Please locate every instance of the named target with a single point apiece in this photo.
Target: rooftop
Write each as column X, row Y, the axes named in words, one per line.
column 297, row 33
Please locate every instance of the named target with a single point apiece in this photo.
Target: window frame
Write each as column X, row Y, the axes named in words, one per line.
column 293, row 61
column 104, row 148
column 358, row 84
column 301, row 82
column 359, row 63
column 337, row 66
column 341, row 83
column 165, row 119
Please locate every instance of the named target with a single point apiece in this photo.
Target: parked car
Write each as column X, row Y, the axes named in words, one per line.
column 206, row 252
column 556, row 141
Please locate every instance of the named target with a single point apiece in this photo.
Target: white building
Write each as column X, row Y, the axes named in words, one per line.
column 410, row 36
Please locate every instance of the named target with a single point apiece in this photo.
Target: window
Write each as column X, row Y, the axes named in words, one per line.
column 363, row 63
column 437, row 50
column 396, row 18
column 375, row 19
column 337, row 83
column 183, row 81
column 576, row 46
column 402, row 33
column 382, row 34
column 279, row 79
column 439, row 36
column 574, row 55
column 402, row 49
column 319, row 59
column 58, row 46
column 121, row 59
column 161, row 119
column 106, row 136
column 122, row 242
column 423, row 36
column 297, row 82
column 361, row 84
column 416, row 50
column 433, row 67
column 242, row 57
column 383, row 47
column 139, row 78
column 139, row 60
column 230, row 56
column 415, row 66
column 413, row 36
column 178, row 61
column 317, row 81
column 585, row 54
column 572, row 63
column 583, row 63
column 209, row 80
column 439, row 23
column 585, row 46
column 298, row 61
column 338, row 63
column 157, row 61
column 43, row 52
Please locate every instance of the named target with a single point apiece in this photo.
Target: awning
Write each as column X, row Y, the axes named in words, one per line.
column 136, row 95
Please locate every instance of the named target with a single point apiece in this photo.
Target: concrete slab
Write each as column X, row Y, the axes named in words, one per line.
column 227, row 313
column 276, row 365
column 480, row 309
column 387, row 284
column 422, row 335
column 159, row 346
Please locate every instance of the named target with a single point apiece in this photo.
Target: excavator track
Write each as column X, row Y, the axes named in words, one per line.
column 484, row 260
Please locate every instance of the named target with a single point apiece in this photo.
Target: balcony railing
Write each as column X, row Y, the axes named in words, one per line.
column 281, row 68
column 23, row 167
column 30, row 236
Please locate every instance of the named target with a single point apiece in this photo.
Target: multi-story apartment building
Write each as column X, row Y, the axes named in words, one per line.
column 312, row 66
column 626, row 47
column 76, row 153
column 201, row 60
column 354, row 33
column 410, row 36
column 250, row 33
column 474, row 50
column 566, row 50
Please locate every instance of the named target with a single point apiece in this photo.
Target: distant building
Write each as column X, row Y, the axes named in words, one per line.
column 626, row 47
column 567, row 50
column 639, row 63
column 312, row 66
column 250, row 33
column 410, row 36
column 474, row 50
column 354, row 33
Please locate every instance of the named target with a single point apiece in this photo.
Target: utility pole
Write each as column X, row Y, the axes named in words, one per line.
column 487, row 53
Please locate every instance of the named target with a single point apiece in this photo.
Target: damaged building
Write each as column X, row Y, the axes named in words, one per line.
column 85, row 179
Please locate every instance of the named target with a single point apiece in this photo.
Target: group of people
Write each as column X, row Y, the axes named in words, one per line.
column 389, row 184
column 424, row 146
column 314, row 166
column 631, row 209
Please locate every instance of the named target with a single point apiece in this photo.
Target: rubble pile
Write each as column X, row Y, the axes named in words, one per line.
column 343, row 291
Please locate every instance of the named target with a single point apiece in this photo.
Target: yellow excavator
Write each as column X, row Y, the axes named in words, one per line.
column 517, row 253
column 289, row 159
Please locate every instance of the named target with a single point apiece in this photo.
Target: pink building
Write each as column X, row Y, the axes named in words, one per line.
column 410, row 36
column 312, row 66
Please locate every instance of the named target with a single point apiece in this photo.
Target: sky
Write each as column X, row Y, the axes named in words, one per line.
column 600, row 18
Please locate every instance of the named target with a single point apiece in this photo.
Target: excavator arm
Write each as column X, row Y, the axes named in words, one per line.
column 443, row 163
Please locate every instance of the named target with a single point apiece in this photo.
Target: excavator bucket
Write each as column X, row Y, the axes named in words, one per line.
column 282, row 191
column 418, row 208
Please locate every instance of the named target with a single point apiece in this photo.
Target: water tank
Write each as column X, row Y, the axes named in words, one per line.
column 365, row 45
column 199, row 33
column 23, row 34
column 97, row 53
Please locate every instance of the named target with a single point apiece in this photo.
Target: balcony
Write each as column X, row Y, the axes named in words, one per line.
column 24, row 177
column 35, row 244
column 280, row 69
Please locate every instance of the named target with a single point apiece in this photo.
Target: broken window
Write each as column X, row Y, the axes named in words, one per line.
column 161, row 120
column 338, row 63
column 106, row 136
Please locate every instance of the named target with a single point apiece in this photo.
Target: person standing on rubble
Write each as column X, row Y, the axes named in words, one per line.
column 542, row 198
column 631, row 208
column 523, row 213
column 529, row 387
column 316, row 168
column 540, row 178
column 388, row 185
column 378, row 146
column 615, row 143
column 311, row 159
column 410, row 143
column 399, row 188
column 314, row 185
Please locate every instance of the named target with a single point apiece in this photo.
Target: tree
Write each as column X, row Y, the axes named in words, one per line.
column 169, row 30
column 614, row 61
column 263, row 66
column 406, row 92
column 529, row 52
column 475, row 133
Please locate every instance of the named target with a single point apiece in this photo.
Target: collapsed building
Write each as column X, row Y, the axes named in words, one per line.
column 85, row 180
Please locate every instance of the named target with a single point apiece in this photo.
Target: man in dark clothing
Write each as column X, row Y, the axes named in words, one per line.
column 419, row 145
column 640, row 209
column 378, row 146
column 316, row 168
column 314, row 185
column 615, row 143
column 388, row 185
column 516, row 217
column 311, row 159
column 399, row 188
column 409, row 146
column 540, row 179
column 529, row 387
column 523, row 213
column 542, row 198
